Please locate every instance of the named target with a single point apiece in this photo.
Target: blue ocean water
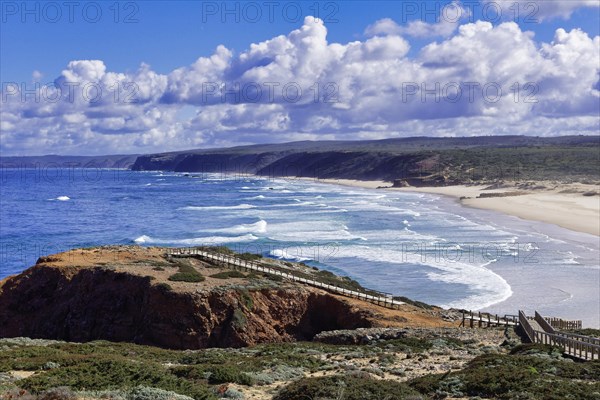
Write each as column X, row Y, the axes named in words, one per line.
column 420, row 246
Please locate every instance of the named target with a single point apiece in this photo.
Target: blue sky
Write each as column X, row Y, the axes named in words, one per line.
column 174, row 35
column 169, row 34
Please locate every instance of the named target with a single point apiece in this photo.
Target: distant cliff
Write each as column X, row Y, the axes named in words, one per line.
column 415, row 161
column 58, row 161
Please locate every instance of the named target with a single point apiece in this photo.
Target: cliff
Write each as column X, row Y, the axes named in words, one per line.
column 124, row 294
column 409, row 161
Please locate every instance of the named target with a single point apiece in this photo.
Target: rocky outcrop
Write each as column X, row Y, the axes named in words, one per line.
column 90, row 303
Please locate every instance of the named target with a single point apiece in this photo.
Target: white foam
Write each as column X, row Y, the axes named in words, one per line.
column 259, row 197
column 283, row 254
column 200, row 241
column 61, row 198
column 203, row 208
column 257, row 227
column 489, row 287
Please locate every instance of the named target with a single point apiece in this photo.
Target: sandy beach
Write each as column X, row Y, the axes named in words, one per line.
column 564, row 205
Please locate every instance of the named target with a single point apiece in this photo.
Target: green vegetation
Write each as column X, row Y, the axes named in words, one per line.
column 187, row 273
column 534, row 376
column 249, row 256
column 587, row 332
column 350, row 387
column 371, row 371
column 432, row 160
column 164, row 287
column 228, row 275
column 415, row 303
column 217, row 249
column 246, row 299
column 408, row 344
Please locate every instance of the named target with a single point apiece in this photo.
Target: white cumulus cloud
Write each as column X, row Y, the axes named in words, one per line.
column 481, row 79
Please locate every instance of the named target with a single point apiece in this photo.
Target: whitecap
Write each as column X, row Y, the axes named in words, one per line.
column 257, row 227
column 61, row 198
column 202, row 208
column 283, row 254
column 199, row 241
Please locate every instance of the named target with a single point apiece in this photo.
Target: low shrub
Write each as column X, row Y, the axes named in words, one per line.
column 228, row 374
column 228, row 275
column 249, row 256
column 164, row 287
column 59, row 393
column 415, row 303
column 516, row 377
column 186, row 273
column 112, row 373
column 349, row 387
column 588, row 332
column 149, row 393
column 186, row 277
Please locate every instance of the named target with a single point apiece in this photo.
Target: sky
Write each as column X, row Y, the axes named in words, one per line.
column 96, row 77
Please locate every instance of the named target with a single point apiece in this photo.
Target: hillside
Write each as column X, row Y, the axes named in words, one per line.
column 268, row 339
column 418, row 161
column 59, row 161
column 129, row 293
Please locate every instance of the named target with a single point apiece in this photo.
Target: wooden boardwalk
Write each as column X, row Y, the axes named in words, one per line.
column 487, row 319
column 372, row 296
column 539, row 330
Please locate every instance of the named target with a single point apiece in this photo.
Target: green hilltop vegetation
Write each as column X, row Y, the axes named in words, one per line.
column 421, row 160
column 400, row 368
column 425, row 161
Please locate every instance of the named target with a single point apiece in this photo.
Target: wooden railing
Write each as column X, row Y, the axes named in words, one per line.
column 488, row 319
column 526, row 326
column 584, row 347
column 562, row 324
column 580, row 338
column 372, row 296
column 543, row 323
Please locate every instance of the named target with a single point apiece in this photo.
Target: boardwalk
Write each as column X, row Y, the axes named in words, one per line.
column 486, row 319
column 382, row 299
column 538, row 330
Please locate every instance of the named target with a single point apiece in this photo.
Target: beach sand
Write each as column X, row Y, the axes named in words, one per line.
column 566, row 291
column 560, row 204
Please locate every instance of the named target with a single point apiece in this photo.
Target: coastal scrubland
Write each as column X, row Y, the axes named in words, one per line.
column 140, row 335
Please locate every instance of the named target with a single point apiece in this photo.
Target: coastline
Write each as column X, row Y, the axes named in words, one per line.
column 570, row 293
column 563, row 205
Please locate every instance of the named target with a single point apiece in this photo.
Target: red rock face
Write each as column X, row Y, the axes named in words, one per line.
column 83, row 304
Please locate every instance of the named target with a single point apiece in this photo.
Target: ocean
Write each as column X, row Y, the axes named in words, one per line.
column 425, row 247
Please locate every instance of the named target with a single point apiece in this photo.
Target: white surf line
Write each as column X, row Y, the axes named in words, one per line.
column 388, row 302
